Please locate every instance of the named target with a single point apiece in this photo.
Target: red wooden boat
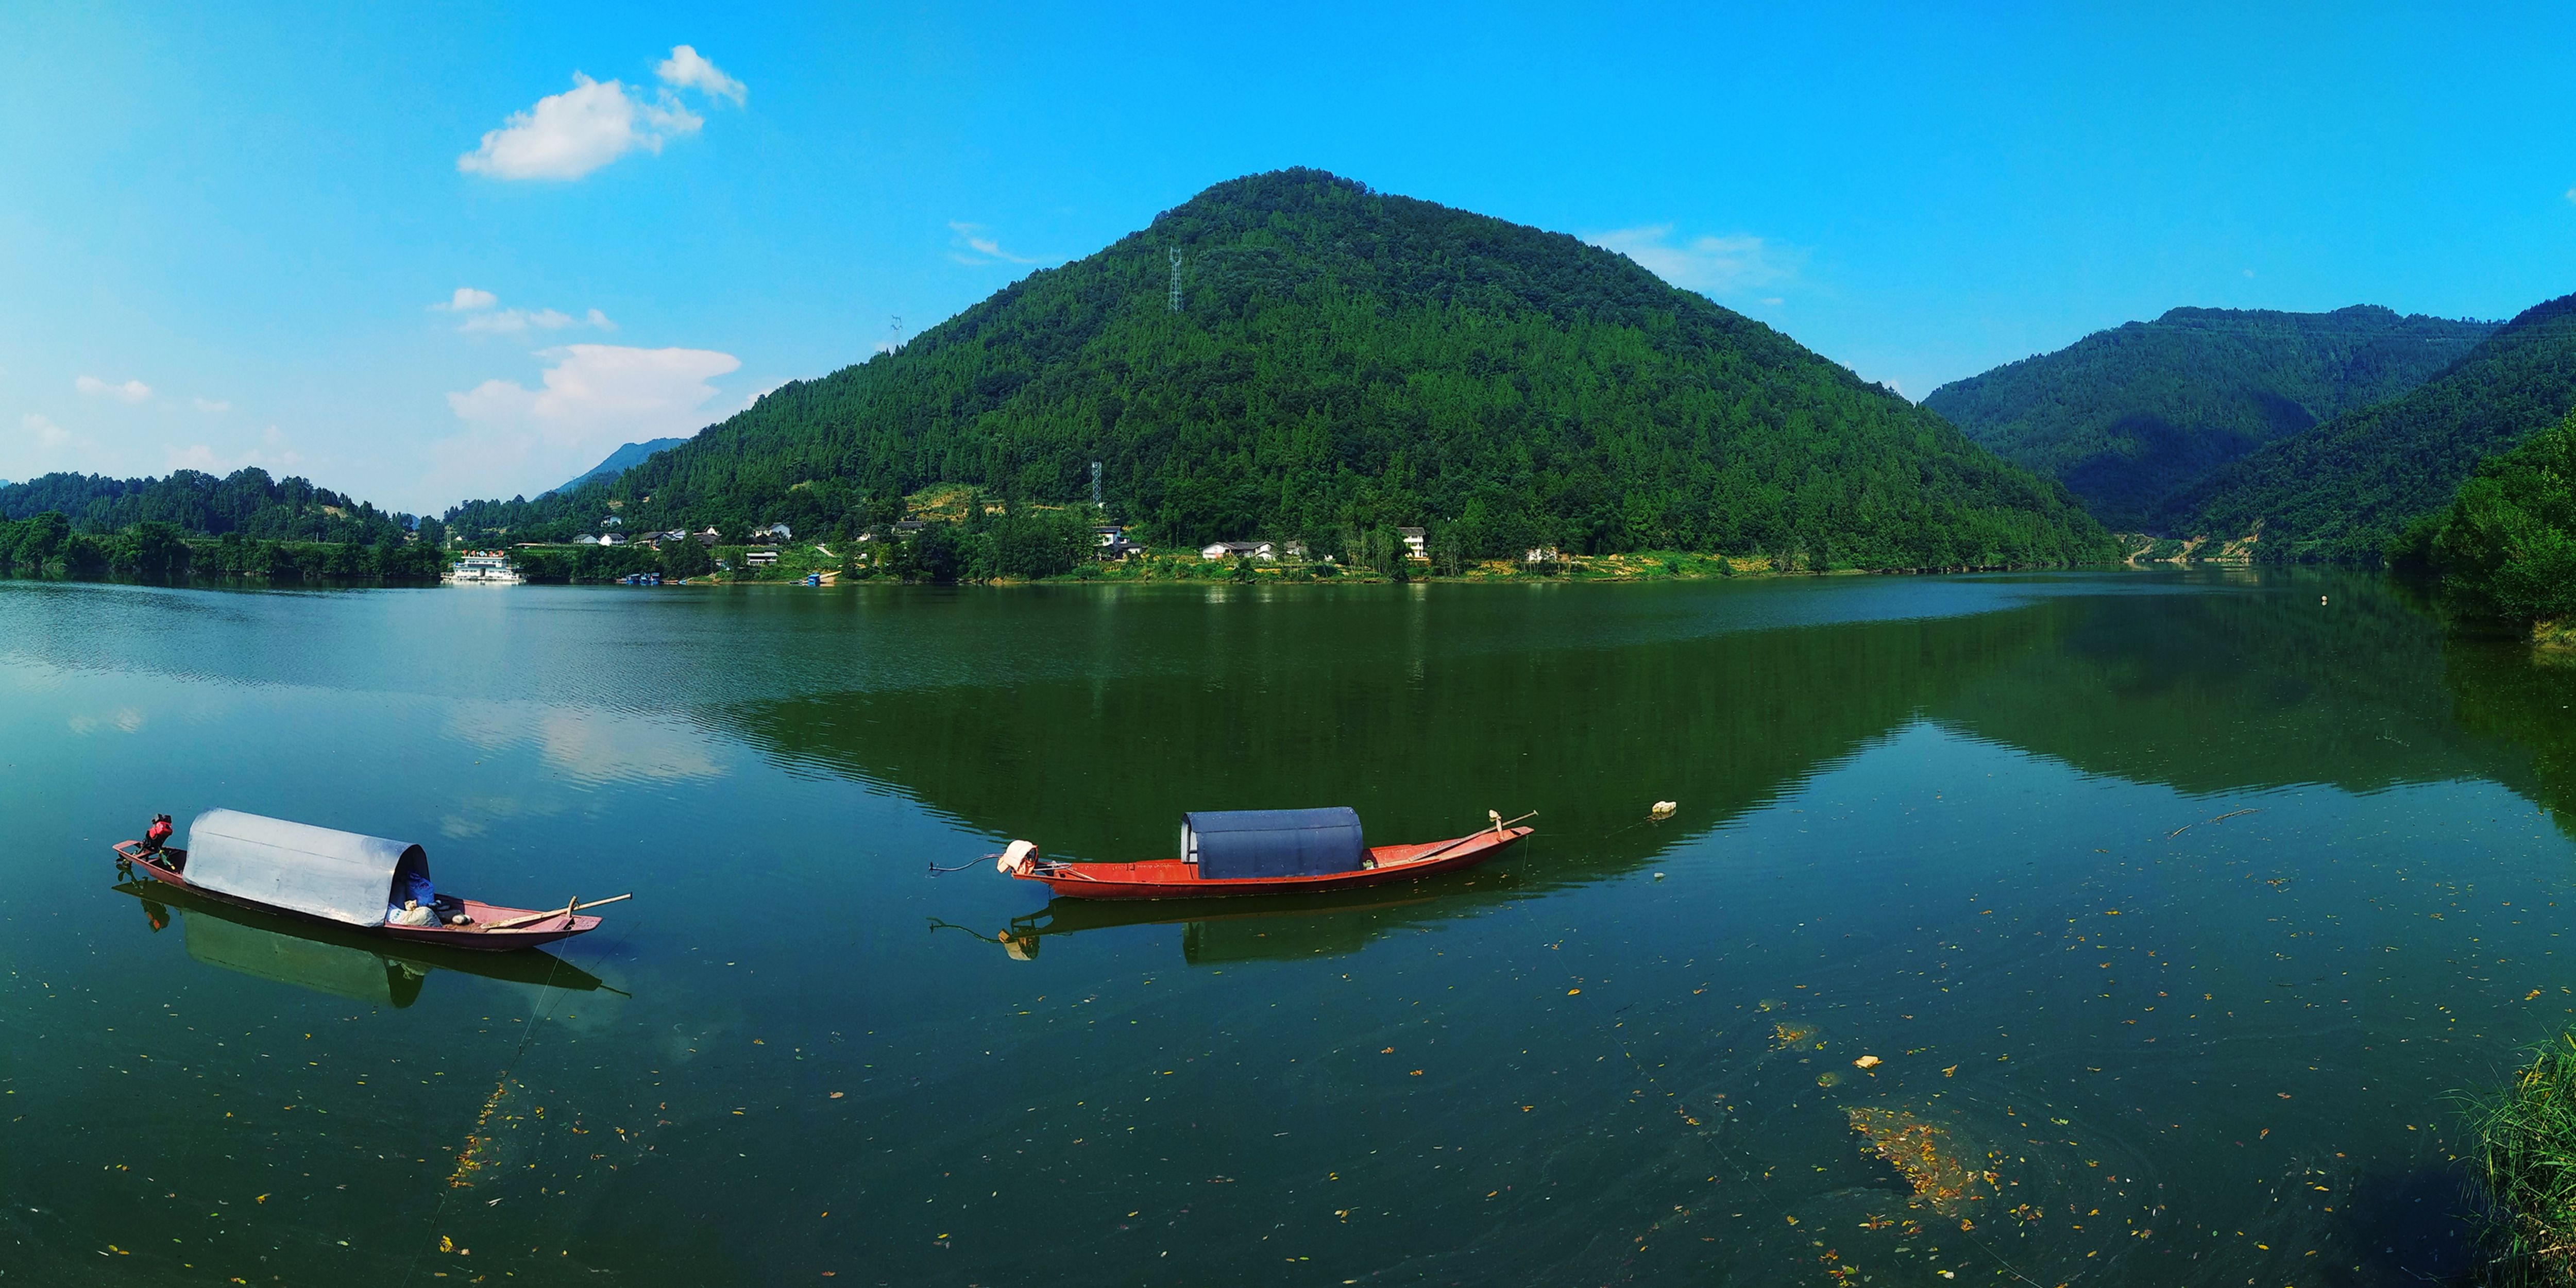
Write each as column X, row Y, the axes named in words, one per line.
column 1262, row 852
column 339, row 878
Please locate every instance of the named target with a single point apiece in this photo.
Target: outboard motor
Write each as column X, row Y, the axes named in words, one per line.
column 1015, row 858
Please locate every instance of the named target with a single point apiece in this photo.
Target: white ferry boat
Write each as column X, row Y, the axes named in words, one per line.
column 482, row 568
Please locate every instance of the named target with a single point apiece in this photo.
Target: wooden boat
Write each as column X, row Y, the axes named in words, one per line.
column 1243, row 852
column 339, row 878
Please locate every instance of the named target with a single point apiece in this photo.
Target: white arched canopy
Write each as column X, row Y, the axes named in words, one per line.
column 319, row 871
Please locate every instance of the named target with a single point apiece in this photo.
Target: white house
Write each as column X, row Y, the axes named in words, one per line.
column 759, row 558
column 613, row 539
column 1216, row 550
column 1413, row 543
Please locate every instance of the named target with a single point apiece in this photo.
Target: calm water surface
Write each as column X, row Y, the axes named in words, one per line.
column 2172, row 909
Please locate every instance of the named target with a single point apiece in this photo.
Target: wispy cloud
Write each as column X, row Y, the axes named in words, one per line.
column 46, row 432
column 568, row 135
column 519, row 321
column 275, row 449
column 972, row 244
column 685, row 69
column 1709, row 264
column 210, row 406
column 482, row 317
column 131, row 391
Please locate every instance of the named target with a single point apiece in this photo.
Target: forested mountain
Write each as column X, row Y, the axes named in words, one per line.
column 623, row 459
column 2129, row 416
column 1343, row 360
column 2344, row 489
column 247, row 502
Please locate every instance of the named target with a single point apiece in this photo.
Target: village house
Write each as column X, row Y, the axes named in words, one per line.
column 1113, row 542
column 1238, row 550
column 1413, row 547
column 761, row 558
column 710, row 536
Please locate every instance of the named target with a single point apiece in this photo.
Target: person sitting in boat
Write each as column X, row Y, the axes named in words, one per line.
column 157, row 836
column 415, row 900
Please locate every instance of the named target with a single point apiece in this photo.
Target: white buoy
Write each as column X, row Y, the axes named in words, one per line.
column 1664, row 809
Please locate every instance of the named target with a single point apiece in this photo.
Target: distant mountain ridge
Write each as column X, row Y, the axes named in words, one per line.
column 2345, row 489
column 623, row 459
column 1341, row 361
column 247, row 501
column 2129, row 417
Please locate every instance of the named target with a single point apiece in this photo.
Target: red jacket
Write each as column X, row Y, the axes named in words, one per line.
column 157, row 834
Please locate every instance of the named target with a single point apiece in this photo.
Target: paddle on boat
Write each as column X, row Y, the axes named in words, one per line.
column 1263, row 851
column 321, row 874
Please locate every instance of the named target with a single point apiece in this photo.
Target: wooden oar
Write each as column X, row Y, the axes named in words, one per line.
column 567, row 910
column 1499, row 824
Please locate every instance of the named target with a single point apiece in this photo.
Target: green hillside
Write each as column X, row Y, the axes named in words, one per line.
column 245, row 524
column 247, row 502
column 2129, row 416
column 2507, row 545
column 1342, row 361
column 2344, row 489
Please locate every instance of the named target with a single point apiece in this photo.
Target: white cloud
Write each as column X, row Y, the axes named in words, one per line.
column 211, row 406
column 980, row 248
column 1712, row 265
column 520, row 321
column 591, row 399
column 466, row 300
column 684, row 69
column 568, row 135
column 132, row 391
column 48, row 434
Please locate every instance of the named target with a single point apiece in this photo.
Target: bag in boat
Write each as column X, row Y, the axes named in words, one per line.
column 1230, row 844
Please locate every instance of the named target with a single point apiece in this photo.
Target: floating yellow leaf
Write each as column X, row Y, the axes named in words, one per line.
column 1868, row 1062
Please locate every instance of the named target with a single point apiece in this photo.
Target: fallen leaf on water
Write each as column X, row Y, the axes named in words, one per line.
column 1868, row 1062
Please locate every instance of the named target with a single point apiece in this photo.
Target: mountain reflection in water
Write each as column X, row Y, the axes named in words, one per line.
column 2205, row 692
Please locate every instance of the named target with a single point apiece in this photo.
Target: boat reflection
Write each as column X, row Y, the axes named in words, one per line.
column 327, row 959
column 1221, row 931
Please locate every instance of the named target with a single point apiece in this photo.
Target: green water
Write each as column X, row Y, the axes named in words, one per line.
column 1991, row 831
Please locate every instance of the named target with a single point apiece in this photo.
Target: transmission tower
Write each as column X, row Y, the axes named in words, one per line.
column 1175, row 298
column 896, row 345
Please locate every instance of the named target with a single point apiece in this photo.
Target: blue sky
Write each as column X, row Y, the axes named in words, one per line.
column 235, row 235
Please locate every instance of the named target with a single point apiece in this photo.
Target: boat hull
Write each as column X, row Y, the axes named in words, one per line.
column 1174, row 879
column 474, row 937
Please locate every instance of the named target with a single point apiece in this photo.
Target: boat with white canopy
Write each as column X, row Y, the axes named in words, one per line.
column 344, row 878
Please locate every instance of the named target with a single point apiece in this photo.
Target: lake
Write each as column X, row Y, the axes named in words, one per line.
column 2169, row 909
